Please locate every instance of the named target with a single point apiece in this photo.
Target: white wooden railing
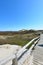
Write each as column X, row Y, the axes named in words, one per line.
column 24, row 48
column 16, row 57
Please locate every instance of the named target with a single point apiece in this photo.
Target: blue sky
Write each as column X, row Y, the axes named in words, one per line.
column 21, row 14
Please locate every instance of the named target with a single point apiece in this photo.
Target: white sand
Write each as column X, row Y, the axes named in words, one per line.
column 7, row 50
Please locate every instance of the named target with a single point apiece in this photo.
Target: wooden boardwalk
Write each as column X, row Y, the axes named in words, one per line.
column 38, row 52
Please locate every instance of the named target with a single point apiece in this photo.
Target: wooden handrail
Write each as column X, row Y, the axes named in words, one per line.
column 24, row 47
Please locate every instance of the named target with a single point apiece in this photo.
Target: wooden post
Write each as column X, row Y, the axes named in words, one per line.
column 14, row 61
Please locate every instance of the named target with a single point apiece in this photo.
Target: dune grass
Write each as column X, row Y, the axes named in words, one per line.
column 18, row 39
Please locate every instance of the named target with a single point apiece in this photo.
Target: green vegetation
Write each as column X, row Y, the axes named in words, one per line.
column 18, row 38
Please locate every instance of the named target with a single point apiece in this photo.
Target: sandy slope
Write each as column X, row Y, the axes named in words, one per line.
column 7, row 50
